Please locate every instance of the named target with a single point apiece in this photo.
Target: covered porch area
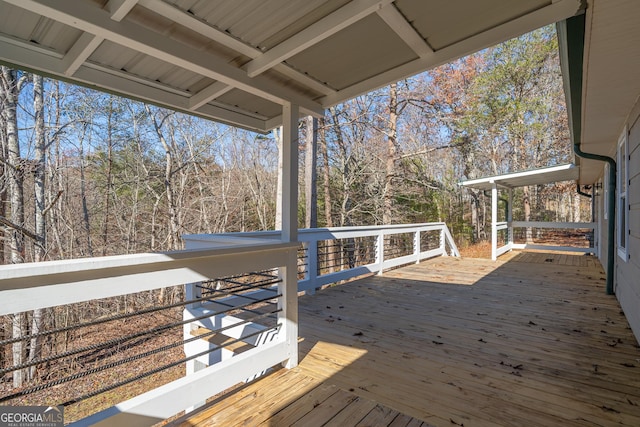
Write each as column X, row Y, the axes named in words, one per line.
column 528, row 340
column 503, row 224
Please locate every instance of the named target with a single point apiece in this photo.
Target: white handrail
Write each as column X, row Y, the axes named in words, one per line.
column 31, row 286
column 310, row 237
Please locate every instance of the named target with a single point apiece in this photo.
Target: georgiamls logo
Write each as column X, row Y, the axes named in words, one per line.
column 31, row 416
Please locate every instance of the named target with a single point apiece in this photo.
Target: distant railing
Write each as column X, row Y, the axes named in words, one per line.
column 237, row 319
column 557, row 236
column 330, row 255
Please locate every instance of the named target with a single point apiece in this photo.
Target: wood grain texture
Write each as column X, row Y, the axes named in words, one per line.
column 531, row 340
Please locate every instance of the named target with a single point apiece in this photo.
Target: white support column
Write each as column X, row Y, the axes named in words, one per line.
column 494, row 221
column 416, row 246
column 510, row 218
column 289, row 153
column 288, row 317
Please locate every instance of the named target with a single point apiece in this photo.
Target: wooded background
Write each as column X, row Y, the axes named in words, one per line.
column 85, row 173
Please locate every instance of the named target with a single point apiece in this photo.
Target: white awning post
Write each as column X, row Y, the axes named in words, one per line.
column 288, row 317
column 494, row 221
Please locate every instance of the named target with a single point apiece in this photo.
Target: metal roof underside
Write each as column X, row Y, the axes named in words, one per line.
column 239, row 61
column 566, row 172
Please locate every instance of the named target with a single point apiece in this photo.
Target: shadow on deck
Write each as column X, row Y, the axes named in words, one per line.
column 532, row 340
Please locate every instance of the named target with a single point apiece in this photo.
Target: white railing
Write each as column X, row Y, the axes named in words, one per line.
column 426, row 240
column 509, row 236
column 588, row 239
column 500, row 226
column 332, row 254
column 33, row 286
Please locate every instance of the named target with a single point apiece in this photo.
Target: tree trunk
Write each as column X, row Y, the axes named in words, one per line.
column 11, row 87
column 54, row 175
column 86, row 221
column 330, row 257
column 577, row 217
column 174, row 225
column 310, row 174
column 326, row 178
column 392, row 136
column 40, row 223
column 475, row 219
column 108, row 185
column 347, row 249
column 526, row 198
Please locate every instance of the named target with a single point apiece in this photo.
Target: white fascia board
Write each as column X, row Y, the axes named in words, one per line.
column 555, row 12
column 506, row 180
column 96, row 21
column 315, row 33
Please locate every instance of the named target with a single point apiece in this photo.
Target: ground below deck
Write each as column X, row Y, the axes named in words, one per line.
column 527, row 341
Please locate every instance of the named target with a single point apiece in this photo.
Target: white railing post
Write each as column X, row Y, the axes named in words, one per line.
column 416, row 245
column 443, row 247
column 494, row 221
column 288, row 304
column 311, row 274
column 192, row 291
column 510, row 219
column 380, row 252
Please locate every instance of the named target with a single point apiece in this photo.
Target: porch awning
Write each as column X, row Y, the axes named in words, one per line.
column 566, row 172
column 240, row 62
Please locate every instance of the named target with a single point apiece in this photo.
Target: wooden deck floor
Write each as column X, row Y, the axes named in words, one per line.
column 530, row 341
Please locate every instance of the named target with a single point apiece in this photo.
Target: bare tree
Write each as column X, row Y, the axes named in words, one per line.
column 40, row 208
column 310, row 172
column 11, row 82
column 169, row 188
column 392, row 142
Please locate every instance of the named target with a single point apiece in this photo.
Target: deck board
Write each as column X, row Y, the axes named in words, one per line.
column 528, row 340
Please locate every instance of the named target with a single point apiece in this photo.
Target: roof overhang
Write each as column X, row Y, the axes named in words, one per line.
column 566, row 172
column 239, row 62
column 600, row 61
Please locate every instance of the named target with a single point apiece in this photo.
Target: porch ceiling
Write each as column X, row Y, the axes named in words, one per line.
column 567, row 172
column 238, row 61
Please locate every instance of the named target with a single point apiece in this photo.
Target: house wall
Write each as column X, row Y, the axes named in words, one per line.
column 627, row 281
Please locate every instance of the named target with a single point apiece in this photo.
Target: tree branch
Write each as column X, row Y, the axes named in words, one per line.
column 425, row 151
column 21, row 229
column 55, row 200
